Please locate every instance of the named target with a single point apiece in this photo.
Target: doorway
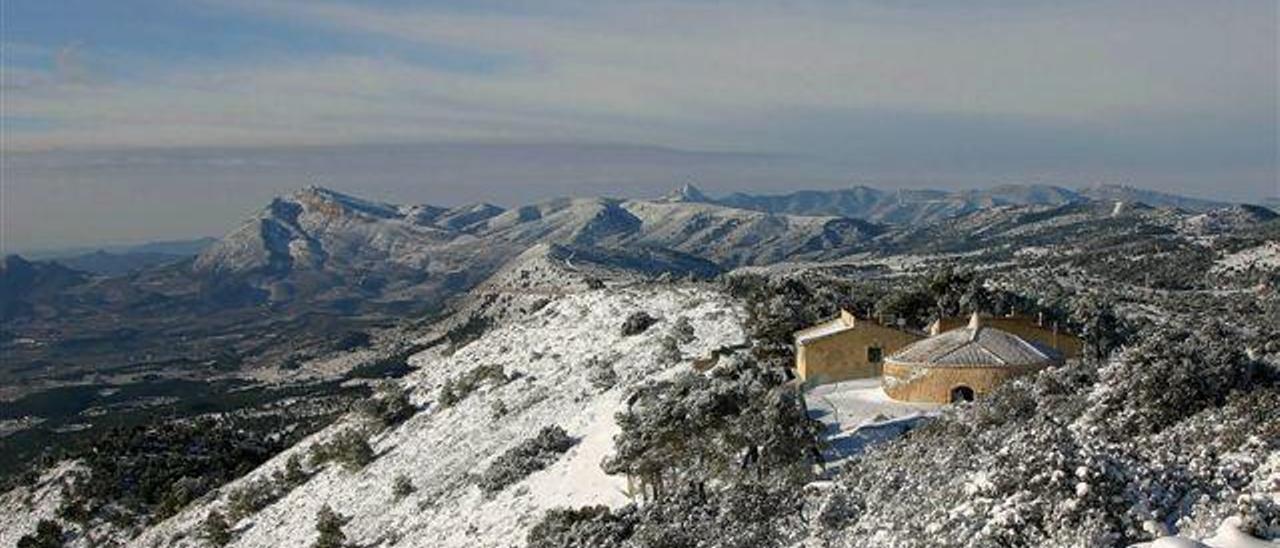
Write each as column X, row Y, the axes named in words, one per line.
column 961, row 393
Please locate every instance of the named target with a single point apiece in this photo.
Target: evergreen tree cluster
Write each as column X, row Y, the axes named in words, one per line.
column 151, row 472
column 721, row 459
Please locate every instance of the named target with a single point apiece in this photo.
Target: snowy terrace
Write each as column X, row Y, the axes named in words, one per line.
column 856, row 414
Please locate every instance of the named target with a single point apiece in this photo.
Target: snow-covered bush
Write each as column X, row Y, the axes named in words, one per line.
column 683, row 331
column 329, row 528
column 637, row 323
column 250, row 497
column 1166, row 437
column 48, row 534
column 1198, row 369
column 458, row 388
column 601, row 374
column 586, row 527
column 749, row 515
column 293, row 474
column 388, row 406
column 402, row 487
column 348, row 447
column 695, row 429
column 527, row 457
column 215, row 530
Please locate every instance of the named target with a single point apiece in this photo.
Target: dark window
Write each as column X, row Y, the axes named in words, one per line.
column 874, row 354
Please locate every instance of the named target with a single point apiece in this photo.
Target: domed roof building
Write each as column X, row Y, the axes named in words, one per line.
column 963, row 363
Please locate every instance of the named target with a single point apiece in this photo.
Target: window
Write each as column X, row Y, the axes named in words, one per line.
column 874, row 354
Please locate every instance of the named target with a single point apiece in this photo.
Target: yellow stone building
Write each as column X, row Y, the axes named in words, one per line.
column 963, row 363
column 846, row 347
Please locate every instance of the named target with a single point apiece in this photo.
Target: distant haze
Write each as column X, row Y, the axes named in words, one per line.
column 153, row 120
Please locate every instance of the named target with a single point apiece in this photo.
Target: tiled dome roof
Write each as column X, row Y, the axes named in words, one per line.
column 975, row 346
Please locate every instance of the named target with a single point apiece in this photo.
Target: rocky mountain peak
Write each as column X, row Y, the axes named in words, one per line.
column 332, row 203
column 687, row 193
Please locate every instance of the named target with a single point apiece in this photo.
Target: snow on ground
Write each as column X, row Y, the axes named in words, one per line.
column 857, row 413
column 28, row 507
column 440, row 447
column 1228, row 535
column 1264, row 256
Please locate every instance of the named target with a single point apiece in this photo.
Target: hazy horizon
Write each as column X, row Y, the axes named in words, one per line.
column 151, row 120
column 229, row 182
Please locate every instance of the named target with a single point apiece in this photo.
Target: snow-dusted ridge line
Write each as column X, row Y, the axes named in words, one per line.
column 439, row 447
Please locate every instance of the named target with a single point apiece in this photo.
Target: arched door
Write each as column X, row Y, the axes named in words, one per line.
column 961, row 393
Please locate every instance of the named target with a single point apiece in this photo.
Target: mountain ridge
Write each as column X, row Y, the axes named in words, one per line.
column 915, row 206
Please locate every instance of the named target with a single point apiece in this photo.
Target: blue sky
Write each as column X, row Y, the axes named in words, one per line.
column 1177, row 95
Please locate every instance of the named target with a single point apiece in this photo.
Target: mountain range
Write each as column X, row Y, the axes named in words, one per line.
column 328, row 250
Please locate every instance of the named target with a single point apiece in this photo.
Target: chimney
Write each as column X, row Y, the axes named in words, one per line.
column 975, row 323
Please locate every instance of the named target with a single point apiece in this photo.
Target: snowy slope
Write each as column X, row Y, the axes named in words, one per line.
column 1264, row 256
column 439, row 447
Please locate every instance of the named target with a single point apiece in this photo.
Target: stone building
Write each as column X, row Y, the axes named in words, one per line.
column 963, row 363
column 846, row 347
column 1033, row 329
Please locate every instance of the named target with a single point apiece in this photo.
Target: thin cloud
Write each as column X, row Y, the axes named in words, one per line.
column 674, row 73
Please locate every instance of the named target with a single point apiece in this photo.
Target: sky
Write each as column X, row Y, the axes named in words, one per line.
column 139, row 120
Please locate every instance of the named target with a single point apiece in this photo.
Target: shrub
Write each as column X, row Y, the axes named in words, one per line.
column 669, row 351
column 683, row 331
column 73, row 509
column 294, row 474
column 249, row 498
column 600, row 374
column 755, row 515
column 1197, row 369
column 48, row 534
column 525, row 458
column 348, row 447
column 637, row 323
column 180, row 494
column 458, row 388
column 462, row 334
column 388, row 406
column 215, row 530
column 498, row 409
column 402, row 487
column 589, row 526
column 329, row 526
column 714, row 429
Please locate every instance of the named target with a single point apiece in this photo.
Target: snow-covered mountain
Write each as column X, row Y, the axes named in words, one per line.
column 329, row 246
column 547, row 362
column 1125, row 193
column 915, row 207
